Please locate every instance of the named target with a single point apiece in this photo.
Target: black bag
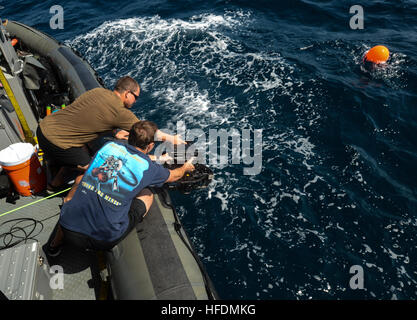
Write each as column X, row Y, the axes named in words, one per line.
column 4, row 186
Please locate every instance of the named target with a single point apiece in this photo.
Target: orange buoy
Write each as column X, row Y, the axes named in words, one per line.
column 14, row 41
column 377, row 54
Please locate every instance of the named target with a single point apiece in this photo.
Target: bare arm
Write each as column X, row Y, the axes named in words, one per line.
column 121, row 134
column 162, row 136
column 178, row 173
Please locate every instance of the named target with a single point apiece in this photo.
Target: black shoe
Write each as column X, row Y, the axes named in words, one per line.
column 54, row 251
column 52, row 190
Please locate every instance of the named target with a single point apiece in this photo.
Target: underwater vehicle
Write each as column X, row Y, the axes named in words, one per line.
column 40, row 75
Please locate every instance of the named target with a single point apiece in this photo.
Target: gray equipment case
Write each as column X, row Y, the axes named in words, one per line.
column 24, row 274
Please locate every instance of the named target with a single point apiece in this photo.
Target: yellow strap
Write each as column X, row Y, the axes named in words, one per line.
column 28, row 133
column 31, row 203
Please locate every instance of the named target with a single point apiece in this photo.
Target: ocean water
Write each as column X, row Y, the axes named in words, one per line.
column 338, row 182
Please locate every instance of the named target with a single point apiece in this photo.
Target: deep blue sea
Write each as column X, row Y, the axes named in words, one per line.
column 339, row 142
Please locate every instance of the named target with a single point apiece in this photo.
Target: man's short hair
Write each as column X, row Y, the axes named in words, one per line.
column 126, row 84
column 142, row 134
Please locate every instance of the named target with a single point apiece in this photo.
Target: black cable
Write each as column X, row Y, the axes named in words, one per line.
column 15, row 232
column 18, row 234
column 177, row 227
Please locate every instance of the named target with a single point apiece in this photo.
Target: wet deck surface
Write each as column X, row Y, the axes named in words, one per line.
column 36, row 222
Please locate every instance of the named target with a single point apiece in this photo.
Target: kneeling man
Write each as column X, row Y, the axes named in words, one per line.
column 112, row 197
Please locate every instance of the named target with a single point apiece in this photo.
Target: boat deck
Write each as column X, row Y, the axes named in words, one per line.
column 36, row 222
column 160, row 246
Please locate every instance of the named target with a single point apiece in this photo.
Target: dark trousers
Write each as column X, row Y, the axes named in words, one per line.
column 136, row 212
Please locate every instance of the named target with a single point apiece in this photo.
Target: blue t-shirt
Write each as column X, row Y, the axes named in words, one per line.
column 101, row 203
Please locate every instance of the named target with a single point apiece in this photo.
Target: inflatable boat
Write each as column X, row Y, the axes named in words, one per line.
column 155, row 261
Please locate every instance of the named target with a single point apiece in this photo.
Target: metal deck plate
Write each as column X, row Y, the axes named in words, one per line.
column 80, row 270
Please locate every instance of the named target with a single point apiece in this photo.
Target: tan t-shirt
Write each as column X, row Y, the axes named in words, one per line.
column 92, row 113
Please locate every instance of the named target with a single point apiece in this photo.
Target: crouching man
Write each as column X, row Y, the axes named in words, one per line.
column 111, row 198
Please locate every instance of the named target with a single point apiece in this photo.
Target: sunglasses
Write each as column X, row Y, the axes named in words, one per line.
column 136, row 97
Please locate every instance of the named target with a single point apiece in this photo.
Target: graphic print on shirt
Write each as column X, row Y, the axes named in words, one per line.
column 110, row 170
column 114, row 173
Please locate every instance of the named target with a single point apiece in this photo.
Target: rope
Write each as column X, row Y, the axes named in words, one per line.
column 37, row 201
